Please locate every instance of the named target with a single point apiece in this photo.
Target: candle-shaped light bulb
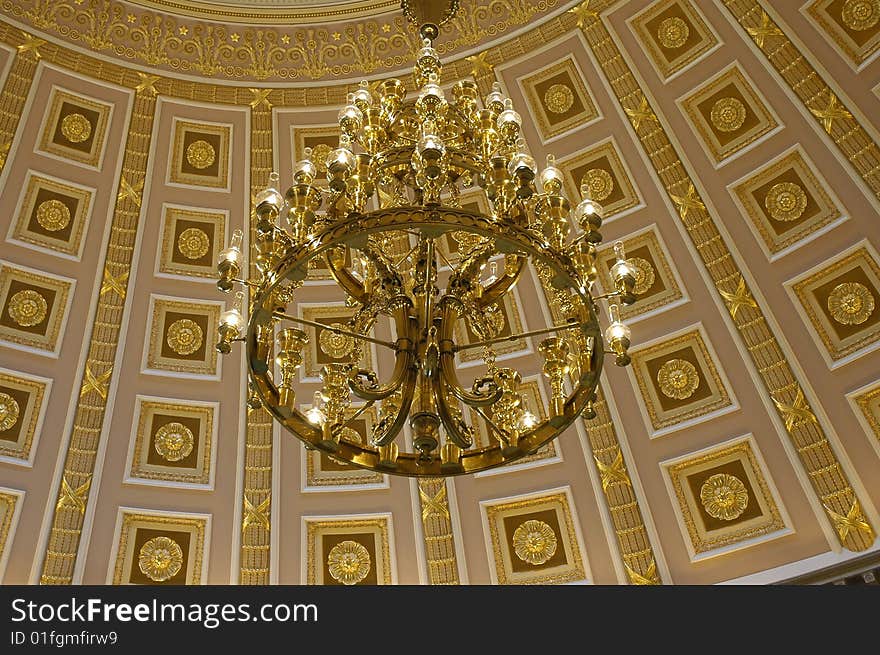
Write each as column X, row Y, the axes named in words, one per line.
column 314, row 415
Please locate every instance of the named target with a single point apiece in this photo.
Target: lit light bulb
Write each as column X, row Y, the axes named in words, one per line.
column 527, row 421
column 232, row 254
column 493, row 273
column 314, row 415
column 551, row 177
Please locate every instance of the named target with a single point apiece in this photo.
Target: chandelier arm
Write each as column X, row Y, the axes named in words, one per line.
column 473, row 398
column 405, row 360
column 456, row 429
column 495, row 291
column 334, row 330
column 346, row 280
column 514, row 337
column 408, row 393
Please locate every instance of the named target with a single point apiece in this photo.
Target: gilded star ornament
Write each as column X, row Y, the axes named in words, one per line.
column 147, row 83
column 649, row 578
column 739, row 298
column 74, row 497
column 796, row 413
column 31, row 44
column 766, row 29
column 583, row 13
column 95, row 383
column 831, row 112
column 613, row 473
column 854, row 520
column 114, row 283
column 641, row 113
column 261, row 97
column 256, row 514
column 435, row 505
column 480, row 64
column 128, row 191
column 687, row 202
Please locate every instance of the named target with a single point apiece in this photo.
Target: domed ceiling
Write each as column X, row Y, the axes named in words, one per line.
column 733, row 144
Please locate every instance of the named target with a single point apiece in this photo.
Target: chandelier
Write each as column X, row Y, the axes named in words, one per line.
column 394, row 185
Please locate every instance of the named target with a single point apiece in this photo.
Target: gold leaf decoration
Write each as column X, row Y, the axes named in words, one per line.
column 728, row 114
column 160, row 559
column 796, row 413
column 786, row 201
column 200, row 154
column 173, row 441
column 645, row 276
column 534, row 542
column 614, row 473
column 256, row 514
column 435, row 505
column 76, row 128
column 724, row 496
column 739, row 298
column 678, row 379
column 854, row 520
column 74, row 498
column 673, row 32
column 851, row 303
column 184, row 337
column 649, row 578
column 348, row 562
column 9, row 411
column 193, row 243
column 27, row 308
column 53, row 215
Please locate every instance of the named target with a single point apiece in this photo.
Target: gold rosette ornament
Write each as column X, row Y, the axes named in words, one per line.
column 348, row 562
column 644, row 275
column 724, row 496
column 678, row 379
column 193, row 243
column 334, row 344
column 860, row 15
column 600, row 182
column 27, row 308
column 184, row 336
column 850, row 303
column 534, row 542
column 160, row 559
column 558, row 98
column 673, row 33
column 173, row 441
column 9, row 411
column 786, row 201
column 53, row 215
column 200, row 154
column 728, row 115
column 76, row 128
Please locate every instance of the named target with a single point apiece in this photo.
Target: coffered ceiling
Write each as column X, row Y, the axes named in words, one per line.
column 733, row 144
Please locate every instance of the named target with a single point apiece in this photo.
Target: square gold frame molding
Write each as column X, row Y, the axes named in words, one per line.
column 604, row 170
column 787, row 202
column 181, row 338
column 52, row 216
column 173, row 443
column 857, row 37
column 724, row 498
column 321, row 473
column 865, row 402
column 680, row 381
column 839, row 301
column 728, row 115
column 200, row 155
column 368, row 536
column 548, row 519
column 324, row 347
column 11, row 501
column 23, row 399
column 75, row 128
column 33, row 308
column 675, row 36
column 559, row 100
column 139, row 530
column 192, row 237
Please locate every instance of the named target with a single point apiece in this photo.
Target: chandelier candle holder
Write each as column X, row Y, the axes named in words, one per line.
column 396, row 178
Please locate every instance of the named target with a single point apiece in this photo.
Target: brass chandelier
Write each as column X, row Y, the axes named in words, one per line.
column 396, row 178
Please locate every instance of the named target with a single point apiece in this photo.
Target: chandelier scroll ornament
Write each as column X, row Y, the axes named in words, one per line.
column 395, row 178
